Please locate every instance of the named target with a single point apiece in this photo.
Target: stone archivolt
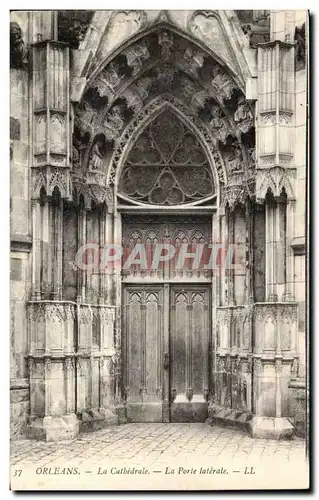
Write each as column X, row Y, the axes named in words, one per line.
column 139, row 75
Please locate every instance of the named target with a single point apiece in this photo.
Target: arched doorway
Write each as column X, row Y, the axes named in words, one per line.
column 170, row 130
column 166, row 297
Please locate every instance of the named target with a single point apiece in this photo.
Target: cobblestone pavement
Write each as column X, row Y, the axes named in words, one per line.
column 152, row 441
column 156, row 446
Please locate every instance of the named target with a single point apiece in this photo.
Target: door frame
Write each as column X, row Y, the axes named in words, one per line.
column 215, row 286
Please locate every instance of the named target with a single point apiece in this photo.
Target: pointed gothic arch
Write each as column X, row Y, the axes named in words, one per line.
column 166, row 165
column 148, row 115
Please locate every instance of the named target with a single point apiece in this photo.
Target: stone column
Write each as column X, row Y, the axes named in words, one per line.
column 57, row 249
column 46, row 250
column 51, row 322
column 290, row 232
column 230, row 271
column 109, row 269
column 271, row 288
column 224, row 239
column 102, row 242
column 275, row 326
column 117, row 232
column 36, row 249
column 215, row 303
column 82, row 240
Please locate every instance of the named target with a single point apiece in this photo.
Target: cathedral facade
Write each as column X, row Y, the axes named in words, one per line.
column 139, row 141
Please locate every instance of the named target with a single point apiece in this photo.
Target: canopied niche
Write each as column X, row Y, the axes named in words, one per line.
column 166, row 165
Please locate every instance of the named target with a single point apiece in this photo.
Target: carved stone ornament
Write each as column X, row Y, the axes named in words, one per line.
column 294, row 368
column 49, row 178
column 300, row 39
column 107, row 315
column 243, row 116
column 198, row 99
column 73, row 25
column 31, row 363
column 194, row 57
column 136, row 54
column 223, row 83
column 18, row 50
column 85, row 315
column 47, row 365
column 278, row 365
column 92, row 186
column 189, row 394
column 107, row 81
column 55, row 313
column 206, row 26
column 97, row 154
column 256, row 34
column 258, row 365
column 235, row 161
column 173, row 395
column 275, row 179
column 69, row 311
column 69, row 363
column 114, row 123
column 165, row 40
column 219, row 124
column 116, row 364
column 234, row 195
column 123, row 24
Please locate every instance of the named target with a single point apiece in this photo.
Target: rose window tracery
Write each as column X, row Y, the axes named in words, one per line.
column 167, row 165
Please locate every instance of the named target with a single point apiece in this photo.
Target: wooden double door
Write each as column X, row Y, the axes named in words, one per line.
column 166, row 351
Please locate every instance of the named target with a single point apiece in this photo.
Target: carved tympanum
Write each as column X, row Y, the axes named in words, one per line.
column 167, row 165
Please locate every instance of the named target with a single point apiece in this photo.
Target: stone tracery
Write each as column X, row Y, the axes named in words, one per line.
column 166, row 165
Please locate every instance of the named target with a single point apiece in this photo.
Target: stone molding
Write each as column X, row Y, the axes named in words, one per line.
column 20, row 243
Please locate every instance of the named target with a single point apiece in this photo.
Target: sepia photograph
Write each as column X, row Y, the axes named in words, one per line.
column 159, row 198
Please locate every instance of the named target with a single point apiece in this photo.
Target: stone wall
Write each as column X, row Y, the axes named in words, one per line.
column 20, row 246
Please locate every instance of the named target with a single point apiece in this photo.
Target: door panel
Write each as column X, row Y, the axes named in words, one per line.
column 143, row 324
column 166, row 332
column 189, row 345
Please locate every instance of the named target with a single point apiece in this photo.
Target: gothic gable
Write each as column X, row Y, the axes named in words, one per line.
column 217, row 32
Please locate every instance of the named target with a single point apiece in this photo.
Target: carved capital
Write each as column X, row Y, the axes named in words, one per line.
column 54, row 313
column 258, row 365
column 294, row 368
column 47, row 365
column 69, row 363
column 278, row 365
column 31, row 363
column 85, row 315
